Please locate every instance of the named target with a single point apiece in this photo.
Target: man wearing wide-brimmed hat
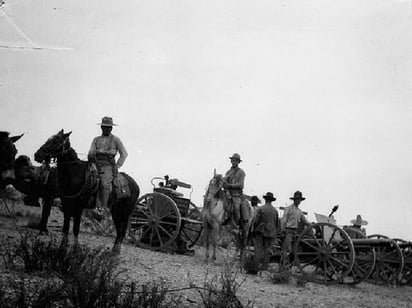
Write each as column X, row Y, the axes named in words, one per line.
column 265, row 229
column 102, row 153
column 358, row 223
column 233, row 183
column 292, row 217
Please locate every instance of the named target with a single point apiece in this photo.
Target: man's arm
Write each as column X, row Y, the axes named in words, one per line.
column 122, row 152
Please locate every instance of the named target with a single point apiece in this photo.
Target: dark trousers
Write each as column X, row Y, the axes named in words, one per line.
column 262, row 248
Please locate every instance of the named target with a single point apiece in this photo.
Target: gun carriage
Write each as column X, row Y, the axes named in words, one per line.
column 328, row 254
column 164, row 218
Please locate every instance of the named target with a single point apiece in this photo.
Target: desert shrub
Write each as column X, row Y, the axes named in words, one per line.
column 8, row 254
column 151, row 295
column 280, row 275
column 250, row 265
column 220, row 291
column 35, row 293
column 38, row 255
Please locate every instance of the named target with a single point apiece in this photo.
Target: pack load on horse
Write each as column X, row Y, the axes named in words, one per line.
column 8, row 153
column 217, row 212
column 37, row 182
column 77, row 188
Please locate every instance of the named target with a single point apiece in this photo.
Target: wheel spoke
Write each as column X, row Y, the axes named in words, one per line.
column 160, row 238
column 165, row 231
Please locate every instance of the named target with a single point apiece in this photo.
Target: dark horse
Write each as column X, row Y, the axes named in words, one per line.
column 75, row 189
column 8, row 153
column 37, row 182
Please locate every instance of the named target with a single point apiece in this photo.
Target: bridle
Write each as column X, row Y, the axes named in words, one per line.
column 57, row 153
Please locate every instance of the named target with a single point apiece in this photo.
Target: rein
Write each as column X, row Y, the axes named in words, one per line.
column 61, row 153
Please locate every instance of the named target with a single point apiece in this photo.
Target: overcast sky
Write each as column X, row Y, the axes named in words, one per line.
column 314, row 95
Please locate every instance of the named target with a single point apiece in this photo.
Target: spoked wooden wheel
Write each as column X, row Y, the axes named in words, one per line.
column 389, row 262
column 324, row 253
column 192, row 226
column 364, row 258
column 155, row 221
column 405, row 277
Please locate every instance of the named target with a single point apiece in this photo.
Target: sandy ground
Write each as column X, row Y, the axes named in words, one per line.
column 142, row 265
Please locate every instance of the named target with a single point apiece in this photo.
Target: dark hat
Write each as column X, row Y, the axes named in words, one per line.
column 269, row 197
column 107, row 121
column 255, row 199
column 359, row 221
column 235, row 156
column 297, row 195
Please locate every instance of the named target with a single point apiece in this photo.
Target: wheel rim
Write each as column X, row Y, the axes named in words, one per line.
column 389, row 262
column 155, row 221
column 405, row 277
column 324, row 253
column 364, row 259
column 192, row 226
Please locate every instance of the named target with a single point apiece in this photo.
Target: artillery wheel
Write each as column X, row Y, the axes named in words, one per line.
column 364, row 258
column 405, row 277
column 192, row 226
column 389, row 262
column 324, row 253
column 155, row 221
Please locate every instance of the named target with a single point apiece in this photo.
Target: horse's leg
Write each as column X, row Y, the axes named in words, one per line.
column 47, row 204
column 207, row 235
column 76, row 225
column 121, row 211
column 120, row 229
column 66, row 226
column 214, row 236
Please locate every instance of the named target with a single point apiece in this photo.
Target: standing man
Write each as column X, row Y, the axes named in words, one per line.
column 289, row 223
column 102, row 155
column 233, row 183
column 266, row 226
column 254, row 201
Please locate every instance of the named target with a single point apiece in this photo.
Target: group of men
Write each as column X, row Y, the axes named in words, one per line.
column 266, row 226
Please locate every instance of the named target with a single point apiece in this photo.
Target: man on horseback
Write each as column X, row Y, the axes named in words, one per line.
column 102, row 156
column 233, row 183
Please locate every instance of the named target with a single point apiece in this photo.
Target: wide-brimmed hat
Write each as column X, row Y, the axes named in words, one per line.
column 255, row 199
column 269, row 197
column 297, row 195
column 359, row 221
column 235, row 156
column 107, row 121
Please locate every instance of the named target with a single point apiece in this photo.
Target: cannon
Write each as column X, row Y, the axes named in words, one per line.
column 164, row 219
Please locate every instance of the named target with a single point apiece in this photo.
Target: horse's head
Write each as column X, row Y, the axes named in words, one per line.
column 54, row 146
column 8, row 153
column 215, row 187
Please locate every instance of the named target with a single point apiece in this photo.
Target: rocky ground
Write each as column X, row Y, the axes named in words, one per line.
column 142, row 265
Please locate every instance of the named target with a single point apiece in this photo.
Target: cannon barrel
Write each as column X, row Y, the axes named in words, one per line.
column 382, row 242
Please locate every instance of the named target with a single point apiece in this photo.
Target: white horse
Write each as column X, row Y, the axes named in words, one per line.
column 214, row 215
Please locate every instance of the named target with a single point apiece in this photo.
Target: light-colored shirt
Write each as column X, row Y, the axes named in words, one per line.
column 109, row 145
column 236, row 177
column 292, row 216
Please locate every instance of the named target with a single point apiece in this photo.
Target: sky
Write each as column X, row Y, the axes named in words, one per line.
column 314, row 97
